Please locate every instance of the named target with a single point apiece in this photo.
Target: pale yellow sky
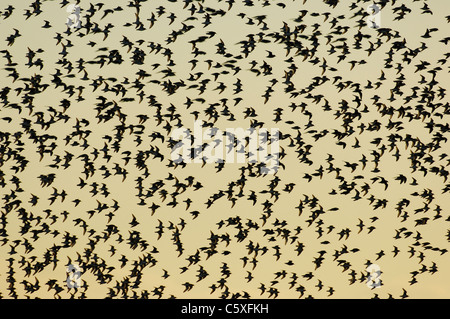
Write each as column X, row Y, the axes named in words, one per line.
column 231, row 29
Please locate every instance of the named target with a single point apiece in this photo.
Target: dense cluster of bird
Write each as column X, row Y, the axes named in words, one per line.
column 363, row 119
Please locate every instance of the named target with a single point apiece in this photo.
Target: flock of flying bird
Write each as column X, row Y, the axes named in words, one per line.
column 60, row 167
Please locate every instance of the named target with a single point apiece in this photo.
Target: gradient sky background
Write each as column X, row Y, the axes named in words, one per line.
column 231, row 29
